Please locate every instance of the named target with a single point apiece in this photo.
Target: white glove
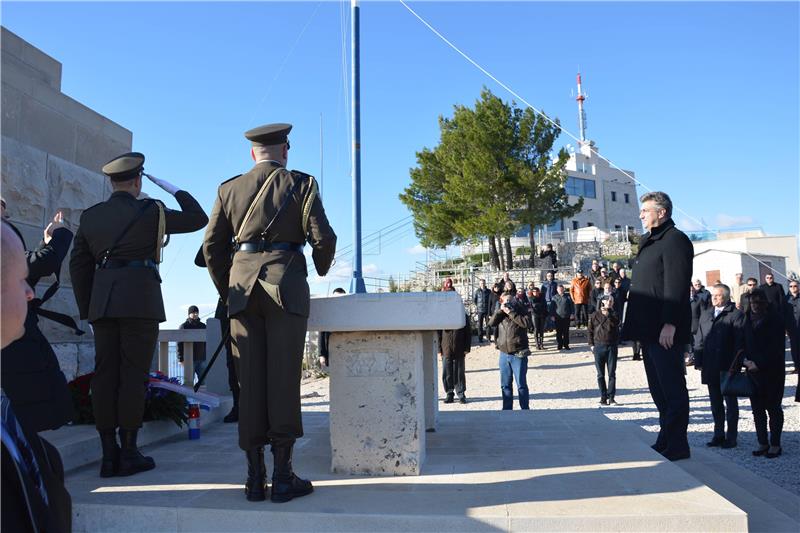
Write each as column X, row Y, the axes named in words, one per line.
column 167, row 186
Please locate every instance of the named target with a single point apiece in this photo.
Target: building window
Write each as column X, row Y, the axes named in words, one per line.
column 580, row 187
column 613, row 196
column 617, row 227
column 574, row 224
column 627, row 198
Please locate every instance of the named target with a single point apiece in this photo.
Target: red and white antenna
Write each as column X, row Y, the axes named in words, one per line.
column 581, row 114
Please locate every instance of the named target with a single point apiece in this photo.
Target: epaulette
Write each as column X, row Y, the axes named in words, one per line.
column 231, row 179
column 93, row 206
column 301, row 174
column 308, row 200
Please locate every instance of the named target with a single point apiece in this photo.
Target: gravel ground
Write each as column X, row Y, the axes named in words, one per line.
column 567, row 380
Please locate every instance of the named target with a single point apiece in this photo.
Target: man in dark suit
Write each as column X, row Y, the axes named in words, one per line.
column 659, row 316
column 114, row 268
column 263, row 218
column 714, row 350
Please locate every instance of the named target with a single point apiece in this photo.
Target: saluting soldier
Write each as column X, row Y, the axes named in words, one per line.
column 264, row 218
column 114, row 269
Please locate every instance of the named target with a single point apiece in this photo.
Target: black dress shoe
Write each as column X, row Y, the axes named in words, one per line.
column 761, row 451
column 603, row 401
column 462, row 398
column 729, row 443
column 716, row 441
column 769, row 455
column 612, row 401
column 659, row 449
column 233, row 416
column 676, row 456
column 449, row 398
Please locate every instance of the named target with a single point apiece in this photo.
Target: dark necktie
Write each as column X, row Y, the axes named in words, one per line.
column 19, row 448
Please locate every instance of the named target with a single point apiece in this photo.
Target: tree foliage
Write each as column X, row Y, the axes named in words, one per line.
column 490, row 175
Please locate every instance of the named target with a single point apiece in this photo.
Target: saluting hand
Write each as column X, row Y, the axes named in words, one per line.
column 58, row 222
column 164, row 184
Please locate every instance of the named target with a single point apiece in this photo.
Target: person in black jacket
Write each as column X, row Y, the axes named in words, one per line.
column 539, row 315
column 494, row 303
column 481, row 299
column 31, row 375
column 659, row 316
column 775, row 294
column 603, row 329
column 793, row 321
column 32, row 496
column 549, row 257
column 596, row 294
column 563, row 312
column 714, row 351
column 198, row 348
column 454, row 344
column 512, row 324
column 763, row 342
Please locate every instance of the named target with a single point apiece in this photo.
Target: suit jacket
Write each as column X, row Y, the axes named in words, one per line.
column 129, row 292
column 660, row 283
column 282, row 274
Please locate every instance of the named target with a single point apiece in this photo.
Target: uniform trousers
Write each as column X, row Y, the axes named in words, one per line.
column 270, row 344
column 124, row 350
column 666, row 379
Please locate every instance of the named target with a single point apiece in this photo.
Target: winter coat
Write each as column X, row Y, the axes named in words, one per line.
column 494, row 299
column 199, row 348
column 595, row 296
column 538, row 305
column 549, row 259
column 512, row 329
column 481, row 299
column 581, row 290
column 776, row 296
column 764, row 344
column 603, row 328
column 549, row 289
column 31, row 376
column 700, row 302
column 563, row 306
column 715, row 341
column 661, row 277
column 455, row 342
column 793, row 315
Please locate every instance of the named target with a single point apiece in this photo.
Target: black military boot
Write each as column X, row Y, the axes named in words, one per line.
column 131, row 460
column 285, row 484
column 233, row 416
column 255, row 489
column 110, row 463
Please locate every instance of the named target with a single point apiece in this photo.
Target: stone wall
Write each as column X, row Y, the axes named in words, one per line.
column 52, row 149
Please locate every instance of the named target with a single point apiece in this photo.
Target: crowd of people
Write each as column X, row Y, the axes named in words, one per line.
column 719, row 332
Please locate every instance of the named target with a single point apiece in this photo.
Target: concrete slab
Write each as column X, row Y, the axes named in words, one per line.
column 569, row 470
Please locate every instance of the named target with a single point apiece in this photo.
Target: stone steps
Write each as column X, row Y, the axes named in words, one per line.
column 568, row 470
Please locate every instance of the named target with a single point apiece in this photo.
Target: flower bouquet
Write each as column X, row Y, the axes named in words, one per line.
column 159, row 403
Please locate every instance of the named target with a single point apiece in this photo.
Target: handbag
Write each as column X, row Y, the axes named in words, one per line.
column 736, row 381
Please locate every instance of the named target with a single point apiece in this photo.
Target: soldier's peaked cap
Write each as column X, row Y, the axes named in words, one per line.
column 269, row 134
column 124, row 167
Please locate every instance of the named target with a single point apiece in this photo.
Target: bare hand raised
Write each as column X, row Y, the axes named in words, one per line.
column 57, row 222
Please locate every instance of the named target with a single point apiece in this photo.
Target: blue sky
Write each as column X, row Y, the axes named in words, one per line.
column 699, row 99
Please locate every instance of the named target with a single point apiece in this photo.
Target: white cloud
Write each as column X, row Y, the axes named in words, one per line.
column 416, row 250
column 728, row 221
column 371, row 268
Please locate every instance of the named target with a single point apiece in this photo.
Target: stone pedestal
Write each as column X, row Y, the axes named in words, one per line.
column 377, row 402
column 384, row 376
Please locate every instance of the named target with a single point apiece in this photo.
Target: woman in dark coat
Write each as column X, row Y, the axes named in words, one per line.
column 539, row 315
column 453, row 347
column 764, row 349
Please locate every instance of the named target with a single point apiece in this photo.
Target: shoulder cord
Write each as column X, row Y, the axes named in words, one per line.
column 237, row 239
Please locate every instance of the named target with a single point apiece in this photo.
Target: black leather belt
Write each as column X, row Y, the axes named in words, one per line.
column 264, row 246
column 136, row 263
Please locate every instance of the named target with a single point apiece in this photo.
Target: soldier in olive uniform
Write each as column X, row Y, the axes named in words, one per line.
column 114, row 269
column 264, row 218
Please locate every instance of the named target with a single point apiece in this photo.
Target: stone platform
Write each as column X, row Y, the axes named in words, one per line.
column 568, row 470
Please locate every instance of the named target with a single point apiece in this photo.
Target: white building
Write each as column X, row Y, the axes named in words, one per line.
column 778, row 252
column 712, row 265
